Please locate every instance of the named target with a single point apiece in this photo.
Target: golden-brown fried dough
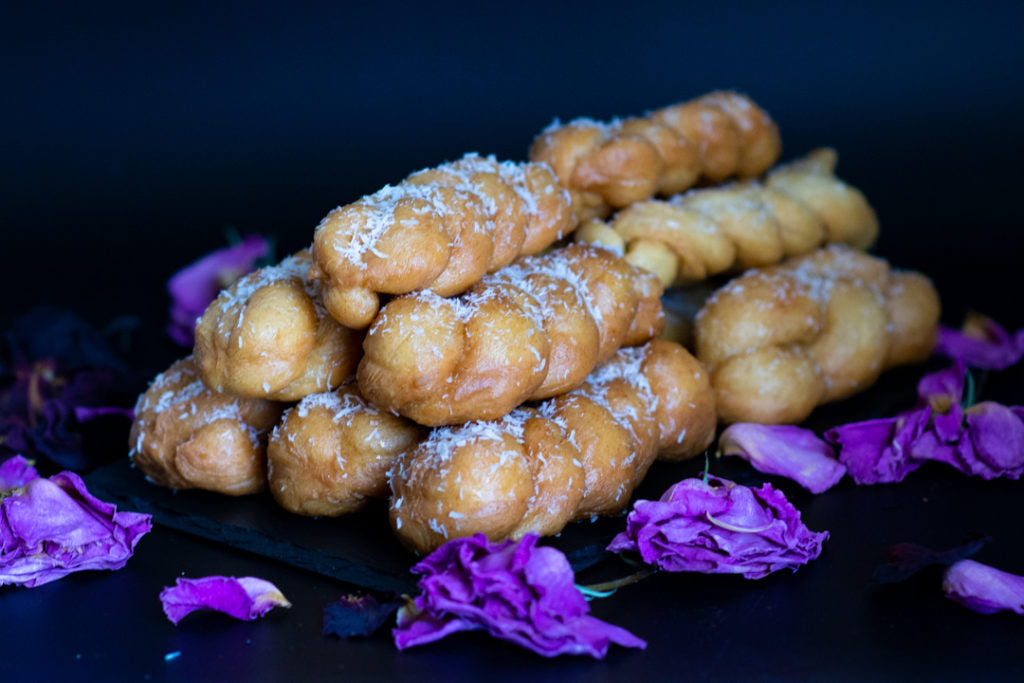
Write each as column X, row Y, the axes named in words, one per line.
column 331, row 453
column 704, row 232
column 440, row 229
column 269, row 336
column 575, row 456
column 532, row 330
column 187, row 436
column 615, row 164
column 817, row 328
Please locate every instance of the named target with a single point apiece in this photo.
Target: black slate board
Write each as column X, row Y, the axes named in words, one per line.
column 360, row 548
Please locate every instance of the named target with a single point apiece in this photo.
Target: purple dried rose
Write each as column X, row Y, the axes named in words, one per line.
column 981, row 343
column 245, row 598
column 52, row 527
column 983, row 588
column 788, row 451
column 514, row 590
column 54, row 367
column 193, row 287
column 719, row 527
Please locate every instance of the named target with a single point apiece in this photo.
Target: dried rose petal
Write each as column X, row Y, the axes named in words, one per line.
column 906, row 559
column 943, row 392
column 16, row 472
column 983, row 588
column 87, row 413
column 358, row 615
column 719, row 527
column 515, row 590
column 54, row 526
column 784, row 450
column 993, row 443
column 981, row 343
column 879, row 451
column 193, row 287
column 245, row 598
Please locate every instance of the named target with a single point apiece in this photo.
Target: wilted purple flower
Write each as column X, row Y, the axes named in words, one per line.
column 515, row 590
column 879, row 451
column 52, row 366
column 981, row 343
column 784, row 450
column 719, row 527
column 193, row 287
column 245, row 598
column 52, row 527
column 983, row 588
column 15, row 473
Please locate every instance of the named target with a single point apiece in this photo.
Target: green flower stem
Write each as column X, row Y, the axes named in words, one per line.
column 968, row 390
column 607, row 588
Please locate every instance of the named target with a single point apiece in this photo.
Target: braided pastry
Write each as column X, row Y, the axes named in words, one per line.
column 440, row 229
column 187, row 436
column 782, row 340
column 703, row 232
column 331, row 453
column 575, row 456
column 269, row 336
column 615, row 164
column 533, row 330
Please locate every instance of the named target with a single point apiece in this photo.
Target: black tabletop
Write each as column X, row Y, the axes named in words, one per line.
column 133, row 137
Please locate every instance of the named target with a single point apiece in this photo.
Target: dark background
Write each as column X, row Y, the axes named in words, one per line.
column 132, row 136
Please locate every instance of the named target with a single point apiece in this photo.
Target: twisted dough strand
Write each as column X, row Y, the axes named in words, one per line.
column 269, row 336
column 575, row 456
column 185, row 435
column 703, row 232
column 330, row 454
column 817, row 328
column 440, row 229
column 533, row 330
column 615, row 164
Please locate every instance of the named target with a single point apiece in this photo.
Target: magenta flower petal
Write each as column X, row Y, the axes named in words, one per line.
column 788, row 451
column 719, row 527
column 244, row 598
column 981, row 343
column 87, row 413
column 983, row 588
column 55, row 526
column 16, row 472
column 879, row 451
column 193, row 287
column 996, row 437
column 514, row 590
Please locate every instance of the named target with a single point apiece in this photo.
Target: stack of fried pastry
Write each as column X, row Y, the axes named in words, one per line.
column 612, row 165
column 784, row 339
column 504, row 388
column 692, row 236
